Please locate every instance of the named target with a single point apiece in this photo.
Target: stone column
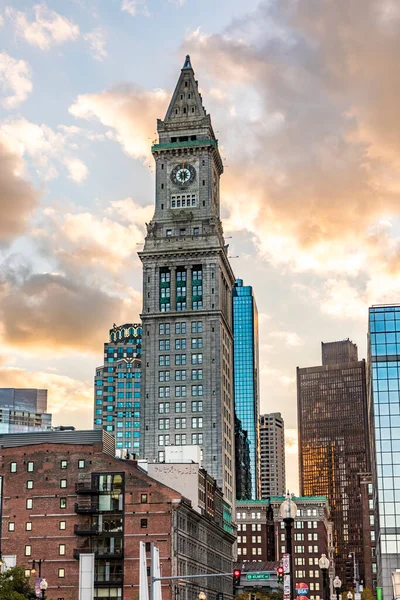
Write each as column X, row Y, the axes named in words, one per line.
column 189, row 288
column 173, row 288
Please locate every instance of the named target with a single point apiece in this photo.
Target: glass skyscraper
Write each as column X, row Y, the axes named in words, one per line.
column 247, row 400
column 384, row 406
column 117, row 386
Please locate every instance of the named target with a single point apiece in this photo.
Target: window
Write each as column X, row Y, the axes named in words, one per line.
column 143, row 523
column 197, row 327
column 61, row 573
column 164, row 360
column 197, row 439
column 28, row 526
column 197, row 359
column 180, row 407
column 63, row 464
column 163, row 376
column 63, row 503
column 143, row 498
column 28, row 550
column 164, row 328
column 29, row 467
column 81, row 464
column 180, row 359
column 197, row 374
column 63, row 483
column 197, row 422
column 63, row 525
column 197, row 390
column 180, row 439
column 29, row 484
column 180, row 375
column 163, row 424
column 164, row 345
column 180, row 423
column 11, row 527
column 29, row 503
column 197, row 406
column 197, row 343
column 163, row 392
column 163, row 407
column 61, row 549
column 13, row 467
column 163, row 440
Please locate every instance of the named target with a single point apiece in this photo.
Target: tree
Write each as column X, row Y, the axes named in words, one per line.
column 367, row 594
column 15, row 586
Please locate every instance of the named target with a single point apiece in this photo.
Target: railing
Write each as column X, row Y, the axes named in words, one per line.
column 104, row 553
column 85, row 530
column 86, row 487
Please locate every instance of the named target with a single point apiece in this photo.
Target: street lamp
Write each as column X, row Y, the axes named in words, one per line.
column 355, row 570
column 43, row 587
column 39, row 563
column 288, row 511
column 337, row 584
column 202, row 596
column 324, row 566
column 349, row 596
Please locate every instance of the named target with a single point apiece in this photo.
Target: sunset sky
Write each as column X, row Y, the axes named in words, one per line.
column 304, row 97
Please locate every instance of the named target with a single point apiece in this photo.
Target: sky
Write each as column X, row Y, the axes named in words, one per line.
column 304, row 101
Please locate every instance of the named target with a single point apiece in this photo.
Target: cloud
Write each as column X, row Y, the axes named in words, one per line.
column 1, row 21
column 52, row 312
column 46, row 30
column 68, row 399
column 15, row 80
column 45, row 147
column 18, row 198
column 291, row 441
column 106, row 241
column 290, row 338
column 322, row 151
column 130, row 113
column 135, row 7
column 97, row 42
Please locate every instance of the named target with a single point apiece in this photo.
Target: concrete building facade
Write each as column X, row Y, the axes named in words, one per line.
column 117, row 388
column 272, row 455
column 187, row 369
column 64, row 495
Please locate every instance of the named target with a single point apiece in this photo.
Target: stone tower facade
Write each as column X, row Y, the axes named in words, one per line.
column 187, row 375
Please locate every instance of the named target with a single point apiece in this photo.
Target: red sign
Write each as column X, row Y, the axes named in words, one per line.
column 302, row 589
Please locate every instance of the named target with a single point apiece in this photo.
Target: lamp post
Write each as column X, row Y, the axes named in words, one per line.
column 324, row 566
column 288, row 511
column 349, row 596
column 39, row 563
column 202, row 596
column 337, row 584
column 355, row 570
column 43, row 587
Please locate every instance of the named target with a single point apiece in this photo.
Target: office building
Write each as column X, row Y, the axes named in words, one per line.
column 117, row 385
column 242, row 462
column 98, row 508
column 187, row 374
column 246, row 375
column 334, row 448
column 23, row 409
column 311, row 536
column 272, row 455
column 384, row 409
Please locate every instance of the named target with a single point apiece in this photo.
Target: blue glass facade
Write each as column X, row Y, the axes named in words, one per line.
column 117, row 388
column 247, row 403
column 384, row 406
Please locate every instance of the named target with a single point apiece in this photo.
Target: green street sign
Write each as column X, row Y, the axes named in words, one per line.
column 257, row 576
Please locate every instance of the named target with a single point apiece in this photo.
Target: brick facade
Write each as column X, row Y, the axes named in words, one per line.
column 63, row 499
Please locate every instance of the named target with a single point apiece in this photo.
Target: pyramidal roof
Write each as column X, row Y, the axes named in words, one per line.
column 186, row 101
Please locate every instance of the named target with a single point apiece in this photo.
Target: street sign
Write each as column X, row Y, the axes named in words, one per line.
column 301, row 589
column 257, row 576
column 286, row 587
column 286, row 563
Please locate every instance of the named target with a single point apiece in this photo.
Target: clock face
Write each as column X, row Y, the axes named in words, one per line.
column 183, row 174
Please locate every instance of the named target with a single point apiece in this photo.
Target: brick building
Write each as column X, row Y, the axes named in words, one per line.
column 65, row 494
column 311, row 536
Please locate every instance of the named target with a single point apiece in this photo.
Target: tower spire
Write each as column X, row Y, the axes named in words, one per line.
column 187, row 64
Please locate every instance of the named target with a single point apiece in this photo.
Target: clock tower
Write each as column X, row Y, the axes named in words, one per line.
column 187, row 282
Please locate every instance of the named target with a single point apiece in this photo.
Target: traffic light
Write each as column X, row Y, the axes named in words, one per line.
column 279, row 573
column 236, row 577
